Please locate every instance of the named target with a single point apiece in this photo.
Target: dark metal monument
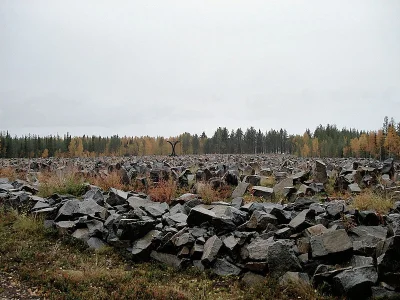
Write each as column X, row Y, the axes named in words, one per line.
column 173, row 144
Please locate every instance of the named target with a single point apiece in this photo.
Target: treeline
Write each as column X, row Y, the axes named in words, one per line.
column 325, row 141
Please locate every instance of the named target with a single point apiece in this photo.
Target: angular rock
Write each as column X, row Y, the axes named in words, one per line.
column 142, row 248
column 169, row 259
column 91, row 208
column 356, row 283
column 199, row 215
column 284, row 233
column 335, row 209
column 230, row 242
column 261, row 191
column 302, row 204
column 279, row 188
column 330, row 243
column 257, row 250
column 300, row 177
column 96, row 195
column 320, row 174
column 254, row 180
column 65, row 227
column 305, row 190
column 131, row 229
column 224, row 268
column 303, row 220
column 389, row 261
column 366, row 238
column 197, row 251
column 354, row 188
column 95, row 227
column 281, row 258
column 137, row 202
column 116, row 197
column 176, row 209
column 259, row 220
column 361, row 261
column 223, row 224
column 240, row 190
column 394, row 223
column 40, row 205
column 68, row 210
column 178, row 218
column 211, row 249
column 186, row 239
column 95, row 243
column 156, row 209
column 237, row 202
column 81, row 234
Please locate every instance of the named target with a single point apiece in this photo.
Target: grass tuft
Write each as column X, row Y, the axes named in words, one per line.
column 209, row 195
column 63, row 183
column 369, row 200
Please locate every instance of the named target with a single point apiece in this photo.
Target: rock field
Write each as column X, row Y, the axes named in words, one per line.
column 303, row 239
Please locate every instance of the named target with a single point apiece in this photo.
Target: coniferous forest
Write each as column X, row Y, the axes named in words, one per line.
column 324, row 141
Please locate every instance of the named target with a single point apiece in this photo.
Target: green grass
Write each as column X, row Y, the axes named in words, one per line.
column 69, row 183
column 62, row 268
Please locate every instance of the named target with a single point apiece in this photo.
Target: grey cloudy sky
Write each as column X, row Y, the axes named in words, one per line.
column 165, row 67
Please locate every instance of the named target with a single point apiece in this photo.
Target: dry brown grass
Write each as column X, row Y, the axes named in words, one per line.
column 111, row 180
column 9, row 173
column 163, row 191
column 208, row 194
column 369, row 200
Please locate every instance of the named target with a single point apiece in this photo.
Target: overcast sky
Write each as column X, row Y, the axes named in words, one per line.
column 165, row 67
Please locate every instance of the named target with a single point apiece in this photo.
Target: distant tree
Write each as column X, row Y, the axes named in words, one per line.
column 196, row 144
column 392, row 141
column 363, row 144
column 380, row 140
column 372, row 146
column 385, row 125
column 315, row 147
column 75, row 147
column 239, row 141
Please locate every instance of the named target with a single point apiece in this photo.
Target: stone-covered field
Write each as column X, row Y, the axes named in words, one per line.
column 333, row 224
